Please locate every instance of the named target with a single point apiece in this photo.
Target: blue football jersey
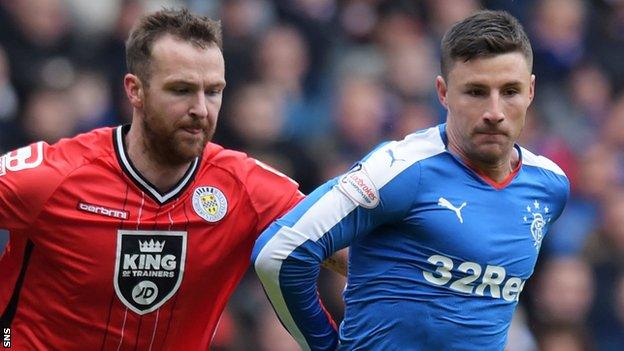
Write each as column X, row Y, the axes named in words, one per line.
column 438, row 255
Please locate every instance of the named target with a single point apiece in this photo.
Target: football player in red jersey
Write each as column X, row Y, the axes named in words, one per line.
column 134, row 237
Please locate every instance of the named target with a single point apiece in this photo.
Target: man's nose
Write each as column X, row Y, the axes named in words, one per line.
column 494, row 112
column 199, row 108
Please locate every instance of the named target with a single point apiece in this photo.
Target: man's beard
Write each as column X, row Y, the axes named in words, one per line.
column 168, row 147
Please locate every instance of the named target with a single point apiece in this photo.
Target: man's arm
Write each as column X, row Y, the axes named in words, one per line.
column 287, row 258
column 288, row 254
column 338, row 262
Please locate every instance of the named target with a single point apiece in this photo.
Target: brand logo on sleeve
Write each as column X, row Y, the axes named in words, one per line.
column 209, row 203
column 358, row 186
column 149, row 267
column 393, row 158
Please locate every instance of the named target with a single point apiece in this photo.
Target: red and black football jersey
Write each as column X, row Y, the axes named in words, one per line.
column 99, row 259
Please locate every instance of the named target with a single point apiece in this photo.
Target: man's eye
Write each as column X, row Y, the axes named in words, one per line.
column 510, row 92
column 475, row 92
column 180, row 90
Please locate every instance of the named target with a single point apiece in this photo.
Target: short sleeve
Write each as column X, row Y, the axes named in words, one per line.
column 27, row 179
column 272, row 193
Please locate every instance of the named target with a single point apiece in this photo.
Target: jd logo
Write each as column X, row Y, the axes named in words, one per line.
column 145, row 292
column 149, row 267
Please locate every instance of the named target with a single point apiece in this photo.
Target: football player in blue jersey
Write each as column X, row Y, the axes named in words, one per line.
column 444, row 226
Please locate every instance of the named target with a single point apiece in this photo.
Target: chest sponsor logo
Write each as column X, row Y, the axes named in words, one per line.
column 149, row 267
column 473, row 278
column 209, row 203
column 358, row 186
column 102, row 211
column 538, row 216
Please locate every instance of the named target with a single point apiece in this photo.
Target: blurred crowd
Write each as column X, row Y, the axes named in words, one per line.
column 312, row 85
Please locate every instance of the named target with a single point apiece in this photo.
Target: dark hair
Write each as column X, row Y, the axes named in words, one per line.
column 199, row 30
column 484, row 34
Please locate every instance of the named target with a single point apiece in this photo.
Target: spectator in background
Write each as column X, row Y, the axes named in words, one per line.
column 48, row 116
column 443, row 14
column 359, row 117
column 109, row 53
column 597, row 175
column 40, row 43
column 8, row 104
column 558, row 29
column 244, row 22
column 257, row 119
column 283, row 63
column 606, row 253
column 564, row 338
column 564, row 291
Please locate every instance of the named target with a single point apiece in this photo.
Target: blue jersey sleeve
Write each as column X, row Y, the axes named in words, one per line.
column 287, row 256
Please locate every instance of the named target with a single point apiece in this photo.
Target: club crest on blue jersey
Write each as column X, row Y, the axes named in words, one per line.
column 358, row 186
column 149, row 267
column 539, row 217
column 209, row 203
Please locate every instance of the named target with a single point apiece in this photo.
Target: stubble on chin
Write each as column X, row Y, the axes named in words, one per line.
column 178, row 151
column 168, row 147
column 491, row 153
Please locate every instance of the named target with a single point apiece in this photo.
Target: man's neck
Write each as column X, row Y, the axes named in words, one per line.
column 496, row 171
column 160, row 174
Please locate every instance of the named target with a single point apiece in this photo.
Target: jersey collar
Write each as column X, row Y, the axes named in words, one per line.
column 139, row 180
column 496, row 185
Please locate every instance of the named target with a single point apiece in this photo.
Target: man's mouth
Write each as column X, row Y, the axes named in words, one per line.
column 193, row 130
column 491, row 132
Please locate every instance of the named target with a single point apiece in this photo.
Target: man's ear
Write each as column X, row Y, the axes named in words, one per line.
column 134, row 90
column 441, row 89
column 532, row 88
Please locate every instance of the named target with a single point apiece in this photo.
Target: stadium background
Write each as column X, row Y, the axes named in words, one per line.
column 314, row 84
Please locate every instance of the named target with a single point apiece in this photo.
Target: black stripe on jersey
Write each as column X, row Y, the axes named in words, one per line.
column 128, row 168
column 9, row 312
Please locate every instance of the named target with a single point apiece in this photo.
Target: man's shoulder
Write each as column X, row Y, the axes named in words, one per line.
column 60, row 158
column 238, row 163
column 269, row 191
column 29, row 175
column 531, row 159
column 232, row 161
column 394, row 157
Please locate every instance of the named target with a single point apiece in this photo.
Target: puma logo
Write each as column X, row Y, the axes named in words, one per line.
column 446, row 204
column 393, row 159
